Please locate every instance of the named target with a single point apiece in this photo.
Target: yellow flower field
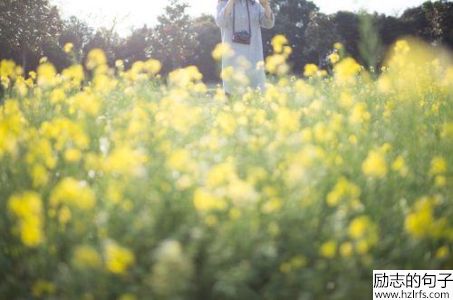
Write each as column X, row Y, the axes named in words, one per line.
column 118, row 184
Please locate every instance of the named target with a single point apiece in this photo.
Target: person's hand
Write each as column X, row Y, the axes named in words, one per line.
column 231, row 2
column 267, row 8
column 229, row 7
column 264, row 3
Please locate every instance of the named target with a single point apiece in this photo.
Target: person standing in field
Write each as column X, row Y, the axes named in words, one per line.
column 240, row 22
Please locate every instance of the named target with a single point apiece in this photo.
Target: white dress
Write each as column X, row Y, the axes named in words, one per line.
column 253, row 66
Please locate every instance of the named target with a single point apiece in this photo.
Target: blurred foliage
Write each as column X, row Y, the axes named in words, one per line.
column 370, row 43
column 116, row 184
column 172, row 41
column 32, row 29
column 25, row 26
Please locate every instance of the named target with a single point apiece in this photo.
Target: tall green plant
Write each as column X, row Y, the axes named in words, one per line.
column 370, row 46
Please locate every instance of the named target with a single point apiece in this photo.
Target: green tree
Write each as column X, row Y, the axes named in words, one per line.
column 173, row 43
column 320, row 35
column 292, row 19
column 439, row 15
column 78, row 33
column 347, row 26
column 25, row 26
column 135, row 46
column 106, row 39
column 207, row 36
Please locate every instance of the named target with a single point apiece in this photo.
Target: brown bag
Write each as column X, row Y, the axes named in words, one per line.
column 242, row 37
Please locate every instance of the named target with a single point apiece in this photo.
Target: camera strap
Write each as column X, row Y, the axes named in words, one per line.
column 248, row 15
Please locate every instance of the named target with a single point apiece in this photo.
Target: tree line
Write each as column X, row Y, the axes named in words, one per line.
column 31, row 29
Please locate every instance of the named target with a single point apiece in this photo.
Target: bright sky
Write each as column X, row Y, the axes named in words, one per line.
column 135, row 13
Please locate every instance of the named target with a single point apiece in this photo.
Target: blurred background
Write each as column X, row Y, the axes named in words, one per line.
column 182, row 33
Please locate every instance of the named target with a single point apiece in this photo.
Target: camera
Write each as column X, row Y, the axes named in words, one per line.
column 242, row 37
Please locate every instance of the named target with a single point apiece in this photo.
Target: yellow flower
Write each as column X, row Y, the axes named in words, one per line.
column 375, row 165
column 152, row 66
column 72, row 155
column 353, row 139
column 205, row 201
column 222, row 50
column 12, row 125
column 179, row 160
column 328, row 249
column 227, row 122
column 402, row 47
column 440, row 181
column 399, row 165
column 227, row 73
column 364, row 232
column 65, row 215
column 346, row 70
column 125, row 160
column 73, row 192
column 74, row 74
column 273, row 205
column 119, row 64
column 5, row 82
column 418, row 223
column 241, row 192
column 385, row 148
column 287, row 120
column 438, row 166
column 358, row 226
column 41, row 288
column 295, row 263
column 27, row 208
column 311, row 70
column 41, row 152
column 221, row 174
column 86, row 257
column 346, row 249
column 96, row 58
column 276, row 64
column 57, row 95
column 65, row 132
column 343, row 190
column 338, row 46
column 39, row 175
column 7, row 67
column 32, row 75
column 46, row 74
column 359, row 114
column 68, row 47
column 287, row 50
column 421, row 222
column 363, row 247
column 184, row 77
column 442, row 252
column 278, row 42
column 86, row 102
column 447, row 128
column 118, row 259
column 334, row 58
column 346, row 100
